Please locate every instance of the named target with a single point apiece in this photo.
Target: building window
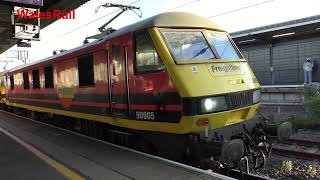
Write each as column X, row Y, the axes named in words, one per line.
column 35, row 79
column 11, row 82
column 85, row 71
column 116, row 63
column 48, row 75
column 147, row 59
column 25, row 80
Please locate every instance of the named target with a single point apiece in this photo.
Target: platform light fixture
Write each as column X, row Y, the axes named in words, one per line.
column 318, row 29
column 245, row 41
column 285, row 34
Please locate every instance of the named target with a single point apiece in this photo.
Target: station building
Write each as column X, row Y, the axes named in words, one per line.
column 276, row 52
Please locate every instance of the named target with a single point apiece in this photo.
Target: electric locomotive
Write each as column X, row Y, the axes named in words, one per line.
column 174, row 84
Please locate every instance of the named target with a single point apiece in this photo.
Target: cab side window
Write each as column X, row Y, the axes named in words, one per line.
column 147, row 59
column 116, row 60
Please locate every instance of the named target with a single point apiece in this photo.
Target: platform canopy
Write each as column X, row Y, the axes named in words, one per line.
column 285, row 31
column 6, row 40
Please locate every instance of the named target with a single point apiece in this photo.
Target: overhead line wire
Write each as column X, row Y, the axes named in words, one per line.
column 246, row 7
column 86, row 24
column 182, row 5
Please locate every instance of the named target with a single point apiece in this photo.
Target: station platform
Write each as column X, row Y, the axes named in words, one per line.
column 18, row 162
column 73, row 156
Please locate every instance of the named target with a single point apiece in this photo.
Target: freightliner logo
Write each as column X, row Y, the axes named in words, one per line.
column 225, row 68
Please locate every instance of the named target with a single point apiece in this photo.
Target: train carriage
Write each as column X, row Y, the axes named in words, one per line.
column 176, row 80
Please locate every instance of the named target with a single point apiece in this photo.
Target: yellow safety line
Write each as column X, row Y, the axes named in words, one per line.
column 58, row 166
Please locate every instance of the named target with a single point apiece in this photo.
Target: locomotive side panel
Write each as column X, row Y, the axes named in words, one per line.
column 118, row 64
column 82, row 84
column 153, row 96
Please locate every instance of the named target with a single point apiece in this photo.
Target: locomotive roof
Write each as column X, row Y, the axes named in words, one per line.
column 168, row 20
column 164, row 20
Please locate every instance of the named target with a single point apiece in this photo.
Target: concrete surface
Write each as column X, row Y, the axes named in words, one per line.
column 97, row 160
column 17, row 162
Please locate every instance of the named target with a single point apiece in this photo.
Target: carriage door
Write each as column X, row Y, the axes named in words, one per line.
column 119, row 80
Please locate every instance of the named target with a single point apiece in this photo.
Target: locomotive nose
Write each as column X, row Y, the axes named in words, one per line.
column 232, row 151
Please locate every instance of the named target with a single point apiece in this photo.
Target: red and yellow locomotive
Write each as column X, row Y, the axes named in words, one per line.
column 174, row 84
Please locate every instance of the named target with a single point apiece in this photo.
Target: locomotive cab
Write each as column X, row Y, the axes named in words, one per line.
column 219, row 93
column 215, row 82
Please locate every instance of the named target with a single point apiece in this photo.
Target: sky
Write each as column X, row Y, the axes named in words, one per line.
column 67, row 34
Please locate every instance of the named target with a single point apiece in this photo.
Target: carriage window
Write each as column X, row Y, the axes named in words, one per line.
column 187, row 46
column 116, row 63
column 11, row 82
column 85, row 71
column 35, row 79
column 223, row 46
column 147, row 59
column 48, row 75
column 25, row 80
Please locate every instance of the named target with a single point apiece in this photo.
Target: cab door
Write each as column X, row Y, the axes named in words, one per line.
column 118, row 73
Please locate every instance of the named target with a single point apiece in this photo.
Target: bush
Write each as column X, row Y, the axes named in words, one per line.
column 312, row 101
column 311, row 105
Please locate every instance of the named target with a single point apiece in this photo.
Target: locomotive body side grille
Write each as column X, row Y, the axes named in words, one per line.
column 239, row 99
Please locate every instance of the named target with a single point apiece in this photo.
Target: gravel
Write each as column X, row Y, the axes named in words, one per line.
column 281, row 167
column 274, row 169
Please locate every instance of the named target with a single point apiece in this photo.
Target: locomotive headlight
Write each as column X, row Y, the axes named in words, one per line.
column 256, row 96
column 213, row 104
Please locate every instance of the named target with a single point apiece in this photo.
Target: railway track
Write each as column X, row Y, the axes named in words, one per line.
column 300, row 142
column 231, row 173
column 301, row 149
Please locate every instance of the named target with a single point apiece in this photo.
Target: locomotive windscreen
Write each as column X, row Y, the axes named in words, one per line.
column 200, row 45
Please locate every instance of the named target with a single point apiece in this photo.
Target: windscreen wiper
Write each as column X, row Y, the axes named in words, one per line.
column 202, row 51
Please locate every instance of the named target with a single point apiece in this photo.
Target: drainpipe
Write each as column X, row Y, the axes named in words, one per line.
column 271, row 63
column 298, row 64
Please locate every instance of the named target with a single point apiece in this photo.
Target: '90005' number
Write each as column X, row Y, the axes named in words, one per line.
column 145, row 115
